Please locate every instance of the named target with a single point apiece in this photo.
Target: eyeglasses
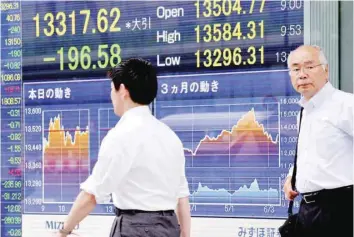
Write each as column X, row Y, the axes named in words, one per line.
column 307, row 69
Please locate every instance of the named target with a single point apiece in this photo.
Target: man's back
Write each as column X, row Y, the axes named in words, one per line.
column 157, row 161
column 149, row 160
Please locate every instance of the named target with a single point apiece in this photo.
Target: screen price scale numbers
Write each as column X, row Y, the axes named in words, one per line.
column 11, row 184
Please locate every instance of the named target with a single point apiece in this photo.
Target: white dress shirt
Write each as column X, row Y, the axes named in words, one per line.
column 325, row 147
column 141, row 163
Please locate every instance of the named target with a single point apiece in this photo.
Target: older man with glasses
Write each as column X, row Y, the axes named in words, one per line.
column 323, row 166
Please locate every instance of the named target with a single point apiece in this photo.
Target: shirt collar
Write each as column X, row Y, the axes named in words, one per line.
column 136, row 111
column 318, row 98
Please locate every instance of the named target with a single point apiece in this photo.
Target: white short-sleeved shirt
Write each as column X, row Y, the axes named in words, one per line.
column 141, row 163
column 325, row 147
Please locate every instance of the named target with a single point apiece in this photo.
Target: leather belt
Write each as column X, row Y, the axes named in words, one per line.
column 312, row 197
column 119, row 212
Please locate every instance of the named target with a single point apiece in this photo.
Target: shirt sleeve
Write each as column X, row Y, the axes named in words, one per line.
column 111, row 167
column 346, row 117
column 290, row 173
column 183, row 189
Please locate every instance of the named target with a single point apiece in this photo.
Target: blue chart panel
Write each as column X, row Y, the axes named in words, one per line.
column 239, row 135
column 238, row 142
column 65, row 123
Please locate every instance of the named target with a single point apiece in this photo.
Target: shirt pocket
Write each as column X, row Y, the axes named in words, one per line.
column 326, row 136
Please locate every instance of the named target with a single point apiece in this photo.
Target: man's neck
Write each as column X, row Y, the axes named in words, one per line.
column 130, row 105
column 307, row 98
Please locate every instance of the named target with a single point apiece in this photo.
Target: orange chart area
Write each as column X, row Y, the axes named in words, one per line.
column 65, row 156
column 246, row 144
column 247, row 135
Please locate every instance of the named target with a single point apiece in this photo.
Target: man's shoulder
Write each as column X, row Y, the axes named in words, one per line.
column 343, row 98
column 342, row 93
column 121, row 132
column 167, row 130
column 112, row 137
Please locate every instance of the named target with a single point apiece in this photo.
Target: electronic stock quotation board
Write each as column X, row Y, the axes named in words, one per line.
column 224, row 89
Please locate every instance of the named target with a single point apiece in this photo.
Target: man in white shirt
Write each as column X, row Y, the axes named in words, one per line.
column 324, row 167
column 141, row 163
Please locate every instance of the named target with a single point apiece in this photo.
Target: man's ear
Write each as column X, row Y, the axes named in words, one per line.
column 325, row 67
column 123, row 91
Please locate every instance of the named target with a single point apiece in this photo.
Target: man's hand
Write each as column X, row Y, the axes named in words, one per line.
column 57, row 234
column 184, row 216
column 60, row 235
column 290, row 194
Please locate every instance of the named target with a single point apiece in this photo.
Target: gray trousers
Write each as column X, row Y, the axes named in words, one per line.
column 145, row 225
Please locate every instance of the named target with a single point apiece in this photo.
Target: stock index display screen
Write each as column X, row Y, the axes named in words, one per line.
column 224, row 89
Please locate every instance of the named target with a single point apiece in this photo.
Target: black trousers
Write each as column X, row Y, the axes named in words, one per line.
column 326, row 213
column 130, row 223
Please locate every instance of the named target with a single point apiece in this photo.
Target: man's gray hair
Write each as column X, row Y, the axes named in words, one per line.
column 321, row 55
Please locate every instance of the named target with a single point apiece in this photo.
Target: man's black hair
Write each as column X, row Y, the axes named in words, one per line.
column 139, row 77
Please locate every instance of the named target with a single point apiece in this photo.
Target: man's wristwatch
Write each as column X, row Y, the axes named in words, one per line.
column 65, row 232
